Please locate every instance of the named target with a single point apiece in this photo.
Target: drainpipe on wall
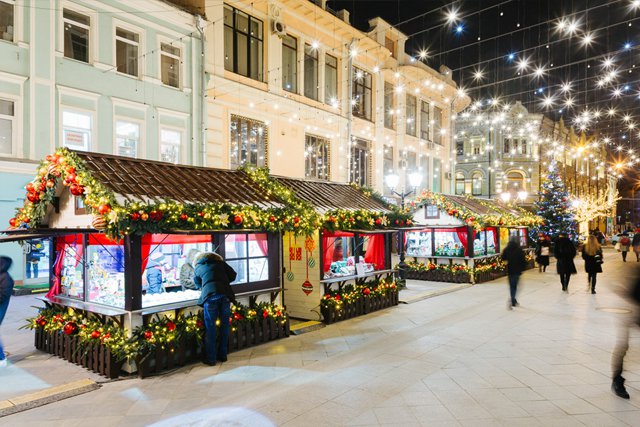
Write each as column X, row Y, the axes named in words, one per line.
column 203, row 92
column 349, row 107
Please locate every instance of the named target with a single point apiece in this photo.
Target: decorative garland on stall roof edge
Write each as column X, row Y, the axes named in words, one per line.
column 117, row 220
column 478, row 221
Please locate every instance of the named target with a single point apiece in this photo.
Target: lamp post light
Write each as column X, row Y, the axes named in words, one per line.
column 505, row 196
column 522, row 195
column 392, row 181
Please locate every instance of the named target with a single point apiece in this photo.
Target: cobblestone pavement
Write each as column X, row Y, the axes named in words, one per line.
column 457, row 359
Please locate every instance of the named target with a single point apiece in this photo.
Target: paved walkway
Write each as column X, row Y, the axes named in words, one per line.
column 458, row 359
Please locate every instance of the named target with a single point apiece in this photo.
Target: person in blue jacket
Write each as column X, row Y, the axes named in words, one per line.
column 155, row 267
column 6, row 290
column 214, row 276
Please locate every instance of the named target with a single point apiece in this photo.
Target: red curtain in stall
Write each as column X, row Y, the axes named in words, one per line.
column 462, row 236
column 375, row 251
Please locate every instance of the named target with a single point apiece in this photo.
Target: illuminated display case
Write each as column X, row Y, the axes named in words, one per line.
column 342, row 251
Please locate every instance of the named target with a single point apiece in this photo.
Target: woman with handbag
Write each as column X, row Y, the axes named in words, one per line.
column 592, row 255
column 543, row 250
column 624, row 244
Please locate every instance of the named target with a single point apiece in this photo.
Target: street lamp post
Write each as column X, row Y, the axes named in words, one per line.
column 392, row 181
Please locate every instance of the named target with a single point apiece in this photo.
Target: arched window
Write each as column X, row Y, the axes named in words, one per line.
column 476, row 184
column 459, row 183
column 515, row 181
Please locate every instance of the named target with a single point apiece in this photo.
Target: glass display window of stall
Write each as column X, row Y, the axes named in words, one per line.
column 247, row 254
column 448, row 244
column 419, row 243
column 105, row 271
column 168, row 263
column 520, row 233
column 484, row 242
column 69, row 266
column 36, row 261
column 339, row 255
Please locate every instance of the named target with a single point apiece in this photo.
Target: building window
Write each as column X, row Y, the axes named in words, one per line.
column 389, row 106
column 242, row 43
column 290, row 64
column 387, row 163
column 431, row 212
column 437, row 175
column 476, row 148
column 247, row 255
column 7, row 117
column 127, row 43
column 459, row 183
column 459, row 147
column 437, row 125
column 6, row 21
column 515, row 181
column 412, row 166
column 76, row 130
column 360, row 170
column 330, row 79
column 361, row 96
column 424, row 121
column 390, row 45
column 411, row 115
column 316, row 157
column 127, row 138
column 476, row 184
column 310, row 72
column 170, row 145
column 248, row 142
column 76, row 35
column 170, row 65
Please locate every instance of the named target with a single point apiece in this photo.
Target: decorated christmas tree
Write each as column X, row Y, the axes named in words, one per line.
column 553, row 206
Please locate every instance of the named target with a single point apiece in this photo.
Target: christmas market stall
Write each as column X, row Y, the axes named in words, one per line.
column 124, row 236
column 343, row 268
column 459, row 238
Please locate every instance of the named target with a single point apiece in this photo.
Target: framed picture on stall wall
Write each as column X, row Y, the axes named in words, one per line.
column 431, row 212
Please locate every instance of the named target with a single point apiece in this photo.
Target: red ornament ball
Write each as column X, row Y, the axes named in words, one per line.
column 30, row 188
column 184, row 217
column 135, row 216
column 95, row 334
column 76, row 190
column 104, row 209
column 237, row 219
column 272, row 218
column 50, row 183
column 13, row 222
column 148, row 335
column 378, row 221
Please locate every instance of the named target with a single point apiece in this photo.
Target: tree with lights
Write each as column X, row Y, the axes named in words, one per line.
column 591, row 207
column 554, row 206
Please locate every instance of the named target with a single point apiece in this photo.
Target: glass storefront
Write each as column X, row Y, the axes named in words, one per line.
column 36, row 261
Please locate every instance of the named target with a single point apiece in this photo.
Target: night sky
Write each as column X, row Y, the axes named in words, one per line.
column 559, row 50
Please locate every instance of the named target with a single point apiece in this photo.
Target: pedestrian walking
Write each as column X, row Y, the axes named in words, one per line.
column 543, row 250
column 592, row 255
column 631, row 292
column 214, row 277
column 6, row 290
column 635, row 243
column 564, row 251
column 623, row 245
column 516, row 263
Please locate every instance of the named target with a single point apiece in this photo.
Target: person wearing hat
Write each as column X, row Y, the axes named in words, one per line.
column 155, row 268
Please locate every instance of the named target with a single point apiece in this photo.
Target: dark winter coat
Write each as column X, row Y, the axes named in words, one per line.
column 514, row 256
column 213, row 276
column 6, row 284
column 591, row 264
column 543, row 259
column 565, row 252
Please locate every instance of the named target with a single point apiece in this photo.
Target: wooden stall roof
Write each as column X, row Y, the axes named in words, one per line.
column 486, row 207
column 325, row 195
column 139, row 180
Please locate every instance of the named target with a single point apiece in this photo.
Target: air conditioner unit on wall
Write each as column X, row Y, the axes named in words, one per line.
column 278, row 27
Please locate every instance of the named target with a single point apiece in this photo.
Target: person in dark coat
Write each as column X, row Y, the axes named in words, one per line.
column 565, row 251
column 543, row 250
column 624, row 244
column 635, row 243
column 155, row 268
column 6, row 290
column 516, row 263
column 214, row 276
column 592, row 255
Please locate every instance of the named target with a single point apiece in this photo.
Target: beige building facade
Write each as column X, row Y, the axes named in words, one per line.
column 295, row 87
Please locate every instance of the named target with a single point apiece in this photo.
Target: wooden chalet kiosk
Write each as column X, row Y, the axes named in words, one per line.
column 460, row 238
column 343, row 269
column 113, row 219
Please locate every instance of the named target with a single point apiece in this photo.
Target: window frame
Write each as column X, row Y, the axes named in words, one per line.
column 389, row 110
column 117, row 25
column 437, row 125
column 411, row 126
column 362, row 146
column 476, row 178
column 294, row 66
column 309, row 58
column 234, row 43
column 90, row 42
column 425, row 121
column 162, row 142
column 139, row 142
column 14, row 123
column 430, row 209
column 359, row 108
column 14, row 11
column 329, row 100
column 264, row 125
column 179, row 58
column 74, row 110
column 324, row 145
column 459, row 184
